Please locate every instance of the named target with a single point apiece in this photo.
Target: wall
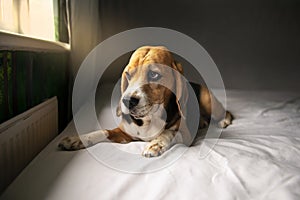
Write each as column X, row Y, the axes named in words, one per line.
column 255, row 44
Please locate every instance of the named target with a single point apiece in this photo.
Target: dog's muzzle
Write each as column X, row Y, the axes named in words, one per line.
column 130, row 102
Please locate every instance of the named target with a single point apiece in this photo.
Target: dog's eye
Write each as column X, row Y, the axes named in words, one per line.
column 153, row 76
column 127, row 76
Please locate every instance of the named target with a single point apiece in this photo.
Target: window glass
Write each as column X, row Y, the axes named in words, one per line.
column 35, row 18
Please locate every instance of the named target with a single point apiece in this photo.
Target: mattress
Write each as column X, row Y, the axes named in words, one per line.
column 257, row 157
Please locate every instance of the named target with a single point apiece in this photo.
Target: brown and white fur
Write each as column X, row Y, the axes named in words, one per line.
column 151, row 106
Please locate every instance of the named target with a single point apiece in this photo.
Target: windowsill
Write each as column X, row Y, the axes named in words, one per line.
column 14, row 41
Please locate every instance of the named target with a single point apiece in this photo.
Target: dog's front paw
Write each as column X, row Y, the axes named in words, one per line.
column 226, row 121
column 155, row 148
column 71, row 143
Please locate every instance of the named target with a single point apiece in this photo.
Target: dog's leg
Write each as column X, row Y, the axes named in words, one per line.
column 161, row 144
column 207, row 101
column 75, row 142
column 226, row 121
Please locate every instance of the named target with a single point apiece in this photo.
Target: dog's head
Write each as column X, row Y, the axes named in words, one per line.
column 151, row 78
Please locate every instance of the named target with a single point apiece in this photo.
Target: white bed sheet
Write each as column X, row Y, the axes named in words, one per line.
column 257, row 157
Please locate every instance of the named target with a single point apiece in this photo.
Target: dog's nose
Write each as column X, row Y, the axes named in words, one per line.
column 130, row 102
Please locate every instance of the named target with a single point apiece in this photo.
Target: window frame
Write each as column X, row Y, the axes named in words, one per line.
column 13, row 40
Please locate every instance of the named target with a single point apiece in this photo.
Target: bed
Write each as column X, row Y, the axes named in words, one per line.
column 257, row 157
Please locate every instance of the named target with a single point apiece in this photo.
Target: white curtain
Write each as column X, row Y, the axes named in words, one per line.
column 92, row 21
column 34, row 18
column 85, row 30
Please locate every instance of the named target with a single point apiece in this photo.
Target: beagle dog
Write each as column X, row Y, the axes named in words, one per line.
column 152, row 106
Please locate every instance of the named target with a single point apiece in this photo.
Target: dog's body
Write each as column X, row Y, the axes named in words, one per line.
column 152, row 105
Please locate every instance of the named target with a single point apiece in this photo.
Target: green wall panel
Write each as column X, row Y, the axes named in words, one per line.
column 29, row 78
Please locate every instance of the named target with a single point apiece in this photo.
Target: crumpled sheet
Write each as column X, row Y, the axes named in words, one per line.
column 257, row 157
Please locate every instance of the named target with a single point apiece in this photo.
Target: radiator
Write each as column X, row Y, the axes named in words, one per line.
column 24, row 136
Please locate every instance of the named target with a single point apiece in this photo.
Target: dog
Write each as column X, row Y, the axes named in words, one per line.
column 152, row 106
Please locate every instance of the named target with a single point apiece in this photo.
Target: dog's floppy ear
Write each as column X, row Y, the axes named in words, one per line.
column 181, row 90
column 119, row 111
column 124, row 82
column 177, row 66
column 124, row 85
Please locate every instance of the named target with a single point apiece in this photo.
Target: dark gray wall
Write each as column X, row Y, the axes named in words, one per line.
column 255, row 44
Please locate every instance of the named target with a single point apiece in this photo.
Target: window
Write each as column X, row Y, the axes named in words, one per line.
column 34, row 18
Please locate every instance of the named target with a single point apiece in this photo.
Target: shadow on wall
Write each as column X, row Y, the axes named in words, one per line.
column 255, row 44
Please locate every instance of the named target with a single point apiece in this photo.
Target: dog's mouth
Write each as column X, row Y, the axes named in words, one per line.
column 140, row 112
column 137, row 116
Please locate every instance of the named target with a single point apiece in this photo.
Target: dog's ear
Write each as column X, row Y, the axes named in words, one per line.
column 124, row 85
column 124, row 82
column 119, row 111
column 181, row 90
column 177, row 66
